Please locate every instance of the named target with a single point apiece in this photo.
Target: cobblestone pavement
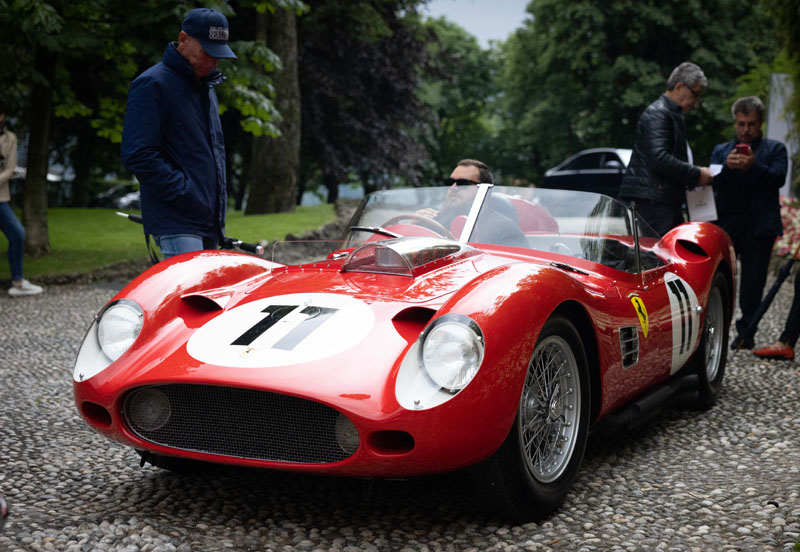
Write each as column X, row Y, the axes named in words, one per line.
column 726, row 479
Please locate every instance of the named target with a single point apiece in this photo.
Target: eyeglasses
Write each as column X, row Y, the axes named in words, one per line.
column 460, row 182
column 695, row 94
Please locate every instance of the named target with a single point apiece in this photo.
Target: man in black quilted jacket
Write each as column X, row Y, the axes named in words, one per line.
column 661, row 168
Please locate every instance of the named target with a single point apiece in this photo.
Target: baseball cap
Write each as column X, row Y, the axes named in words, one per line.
column 210, row 28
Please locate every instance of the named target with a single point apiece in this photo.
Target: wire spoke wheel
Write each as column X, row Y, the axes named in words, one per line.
column 550, row 408
column 533, row 470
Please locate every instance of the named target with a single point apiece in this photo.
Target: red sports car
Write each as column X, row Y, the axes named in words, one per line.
column 473, row 326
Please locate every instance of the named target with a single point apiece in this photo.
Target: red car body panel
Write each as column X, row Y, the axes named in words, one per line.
column 509, row 292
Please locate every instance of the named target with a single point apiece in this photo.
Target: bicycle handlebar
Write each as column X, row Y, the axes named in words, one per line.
column 225, row 243
column 231, row 243
column 133, row 218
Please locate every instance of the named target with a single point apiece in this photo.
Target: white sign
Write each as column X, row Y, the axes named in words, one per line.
column 701, row 204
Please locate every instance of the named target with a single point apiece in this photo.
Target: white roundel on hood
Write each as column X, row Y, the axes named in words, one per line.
column 282, row 330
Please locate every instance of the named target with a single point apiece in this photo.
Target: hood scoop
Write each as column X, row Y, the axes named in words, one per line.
column 208, row 300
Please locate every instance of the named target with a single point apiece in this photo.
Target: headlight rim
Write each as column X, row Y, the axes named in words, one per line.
column 461, row 320
column 134, row 306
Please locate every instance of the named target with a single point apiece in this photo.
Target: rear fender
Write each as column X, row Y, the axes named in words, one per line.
column 702, row 248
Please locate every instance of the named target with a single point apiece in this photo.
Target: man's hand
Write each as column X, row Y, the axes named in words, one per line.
column 705, row 176
column 740, row 161
column 428, row 212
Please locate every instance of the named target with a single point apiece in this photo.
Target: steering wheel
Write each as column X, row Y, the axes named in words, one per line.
column 554, row 248
column 420, row 220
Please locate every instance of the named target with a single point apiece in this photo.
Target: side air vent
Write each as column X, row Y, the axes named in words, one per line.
column 690, row 251
column 629, row 345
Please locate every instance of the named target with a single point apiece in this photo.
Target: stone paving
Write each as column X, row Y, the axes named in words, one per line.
column 725, row 479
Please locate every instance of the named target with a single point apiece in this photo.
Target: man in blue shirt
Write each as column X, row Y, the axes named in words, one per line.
column 746, row 192
column 172, row 138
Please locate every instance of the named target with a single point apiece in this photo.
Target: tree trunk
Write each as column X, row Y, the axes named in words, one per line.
column 34, row 204
column 82, row 159
column 275, row 161
column 302, row 179
column 331, row 181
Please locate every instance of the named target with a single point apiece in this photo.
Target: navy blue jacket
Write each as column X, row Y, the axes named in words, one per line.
column 754, row 193
column 659, row 169
column 172, row 141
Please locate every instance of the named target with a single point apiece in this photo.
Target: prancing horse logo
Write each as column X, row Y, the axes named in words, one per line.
column 641, row 312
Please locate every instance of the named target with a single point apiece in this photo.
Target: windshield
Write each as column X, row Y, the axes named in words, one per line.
column 576, row 224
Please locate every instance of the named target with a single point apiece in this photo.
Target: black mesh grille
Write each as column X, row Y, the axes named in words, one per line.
column 241, row 422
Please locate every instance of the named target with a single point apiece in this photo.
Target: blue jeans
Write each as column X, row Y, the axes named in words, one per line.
column 15, row 232
column 175, row 244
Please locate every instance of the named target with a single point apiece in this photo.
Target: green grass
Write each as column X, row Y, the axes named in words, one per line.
column 83, row 240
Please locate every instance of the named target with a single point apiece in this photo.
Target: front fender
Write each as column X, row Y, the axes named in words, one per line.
column 511, row 304
column 194, row 272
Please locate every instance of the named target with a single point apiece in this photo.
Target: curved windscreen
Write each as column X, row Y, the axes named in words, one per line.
column 585, row 225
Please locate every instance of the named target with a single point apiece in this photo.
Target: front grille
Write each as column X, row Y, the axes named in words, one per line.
column 243, row 423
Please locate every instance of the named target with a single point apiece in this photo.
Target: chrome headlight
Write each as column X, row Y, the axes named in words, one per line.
column 452, row 351
column 119, row 325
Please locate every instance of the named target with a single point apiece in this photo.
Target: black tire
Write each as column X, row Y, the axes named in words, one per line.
column 711, row 356
column 517, row 481
column 181, row 466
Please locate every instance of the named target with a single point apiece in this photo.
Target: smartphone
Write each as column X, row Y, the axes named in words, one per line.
column 742, row 149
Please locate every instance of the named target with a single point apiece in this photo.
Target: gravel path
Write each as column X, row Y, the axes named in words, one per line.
column 726, row 479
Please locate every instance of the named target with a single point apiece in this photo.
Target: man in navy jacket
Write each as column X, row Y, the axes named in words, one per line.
column 172, row 138
column 746, row 192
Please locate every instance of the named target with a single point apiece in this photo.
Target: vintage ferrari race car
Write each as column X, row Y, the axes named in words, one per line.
column 474, row 326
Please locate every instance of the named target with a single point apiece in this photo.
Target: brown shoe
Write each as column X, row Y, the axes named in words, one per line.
column 776, row 350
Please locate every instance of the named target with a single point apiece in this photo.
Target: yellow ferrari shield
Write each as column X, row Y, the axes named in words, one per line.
column 641, row 312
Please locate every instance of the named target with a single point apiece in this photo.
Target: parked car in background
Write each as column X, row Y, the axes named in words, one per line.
column 119, row 196
column 598, row 170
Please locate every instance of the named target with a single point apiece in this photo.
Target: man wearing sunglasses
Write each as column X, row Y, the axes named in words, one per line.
column 497, row 224
column 661, row 168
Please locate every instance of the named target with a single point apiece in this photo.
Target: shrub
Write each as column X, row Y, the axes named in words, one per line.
column 790, row 216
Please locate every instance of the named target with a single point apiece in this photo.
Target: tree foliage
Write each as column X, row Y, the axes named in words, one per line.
column 579, row 74
column 385, row 98
column 786, row 16
column 360, row 65
column 73, row 62
column 458, row 89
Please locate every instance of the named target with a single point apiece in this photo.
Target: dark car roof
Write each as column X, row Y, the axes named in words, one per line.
column 623, row 154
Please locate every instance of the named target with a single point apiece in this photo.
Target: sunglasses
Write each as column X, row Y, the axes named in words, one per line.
column 460, row 182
